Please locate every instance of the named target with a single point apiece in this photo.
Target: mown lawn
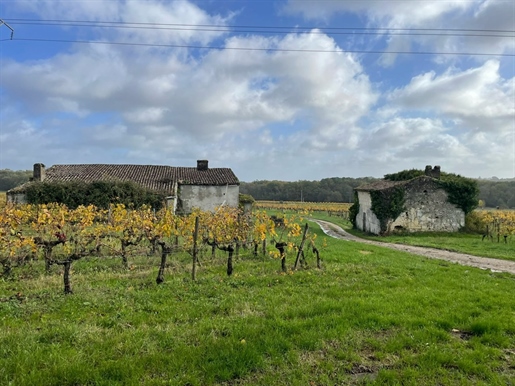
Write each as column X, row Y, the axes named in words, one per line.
column 370, row 316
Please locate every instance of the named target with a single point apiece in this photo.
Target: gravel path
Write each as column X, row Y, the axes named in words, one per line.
column 495, row 265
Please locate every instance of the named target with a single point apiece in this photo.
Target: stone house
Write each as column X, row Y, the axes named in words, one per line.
column 425, row 206
column 186, row 187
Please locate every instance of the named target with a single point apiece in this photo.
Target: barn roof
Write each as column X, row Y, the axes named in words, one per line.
column 155, row 177
column 387, row 184
column 380, row 185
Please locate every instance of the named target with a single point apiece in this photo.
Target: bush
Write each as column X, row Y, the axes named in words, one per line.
column 99, row 193
column 387, row 204
column 354, row 210
column 462, row 192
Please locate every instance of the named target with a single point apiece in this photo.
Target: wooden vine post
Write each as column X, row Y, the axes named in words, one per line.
column 230, row 249
column 66, row 277
column 195, row 251
column 317, row 253
column 165, row 251
column 301, row 246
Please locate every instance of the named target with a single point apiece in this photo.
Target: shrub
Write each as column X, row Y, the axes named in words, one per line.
column 98, row 193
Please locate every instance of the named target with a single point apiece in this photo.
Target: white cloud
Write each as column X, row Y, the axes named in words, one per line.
column 145, row 115
column 76, row 10
column 132, row 21
column 439, row 17
column 177, row 22
column 478, row 98
column 414, row 141
column 175, row 105
column 267, row 114
column 396, row 13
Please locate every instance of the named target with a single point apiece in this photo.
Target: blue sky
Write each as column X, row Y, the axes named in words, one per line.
column 276, row 90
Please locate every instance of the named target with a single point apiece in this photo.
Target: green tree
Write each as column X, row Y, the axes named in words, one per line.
column 10, row 179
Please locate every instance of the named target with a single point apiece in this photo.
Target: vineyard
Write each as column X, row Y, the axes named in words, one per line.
column 495, row 225
column 204, row 300
column 331, row 208
column 60, row 236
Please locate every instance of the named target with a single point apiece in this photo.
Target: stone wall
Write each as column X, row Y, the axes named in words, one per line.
column 16, row 198
column 427, row 209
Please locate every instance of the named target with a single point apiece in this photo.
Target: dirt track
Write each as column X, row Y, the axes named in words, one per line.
column 494, row 265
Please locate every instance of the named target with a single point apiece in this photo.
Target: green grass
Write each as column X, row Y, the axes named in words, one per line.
column 471, row 243
column 370, row 316
column 459, row 242
column 338, row 220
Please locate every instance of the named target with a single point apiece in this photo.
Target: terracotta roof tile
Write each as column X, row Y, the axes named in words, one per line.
column 387, row 184
column 379, row 185
column 156, row 177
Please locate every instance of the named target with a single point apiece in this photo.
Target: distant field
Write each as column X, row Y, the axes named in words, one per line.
column 3, row 199
column 336, row 208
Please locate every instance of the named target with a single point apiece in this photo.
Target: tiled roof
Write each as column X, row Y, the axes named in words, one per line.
column 156, row 177
column 387, row 184
column 380, row 185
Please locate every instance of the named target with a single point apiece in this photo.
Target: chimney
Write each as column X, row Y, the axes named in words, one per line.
column 432, row 172
column 202, row 164
column 436, row 172
column 39, row 172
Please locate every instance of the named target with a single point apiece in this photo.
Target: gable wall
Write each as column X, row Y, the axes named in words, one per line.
column 427, row 209
column 207, row 197
column 366, row 220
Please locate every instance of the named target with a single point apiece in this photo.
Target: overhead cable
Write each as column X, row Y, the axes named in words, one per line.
column 266, row 49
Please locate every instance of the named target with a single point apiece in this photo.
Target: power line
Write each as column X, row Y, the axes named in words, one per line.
column 2, row 22
column 264, row 49
column 282, row 30
column 455, row 32
column 290, row 28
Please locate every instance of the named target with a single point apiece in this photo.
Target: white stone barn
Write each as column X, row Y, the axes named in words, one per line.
column 426, row 208
column 186, row 187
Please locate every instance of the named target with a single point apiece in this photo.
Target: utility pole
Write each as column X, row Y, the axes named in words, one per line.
column 8, row 26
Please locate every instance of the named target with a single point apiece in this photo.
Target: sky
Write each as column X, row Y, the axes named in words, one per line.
column 275, row 90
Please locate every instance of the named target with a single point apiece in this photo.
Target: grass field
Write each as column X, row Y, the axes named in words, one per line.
column 370, row 316
column 471, row 243
column 459, row 242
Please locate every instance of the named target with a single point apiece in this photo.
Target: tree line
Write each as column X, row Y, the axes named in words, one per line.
column 494, row 193
column 497, row 193
column 326, row 190
column 11, row 178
